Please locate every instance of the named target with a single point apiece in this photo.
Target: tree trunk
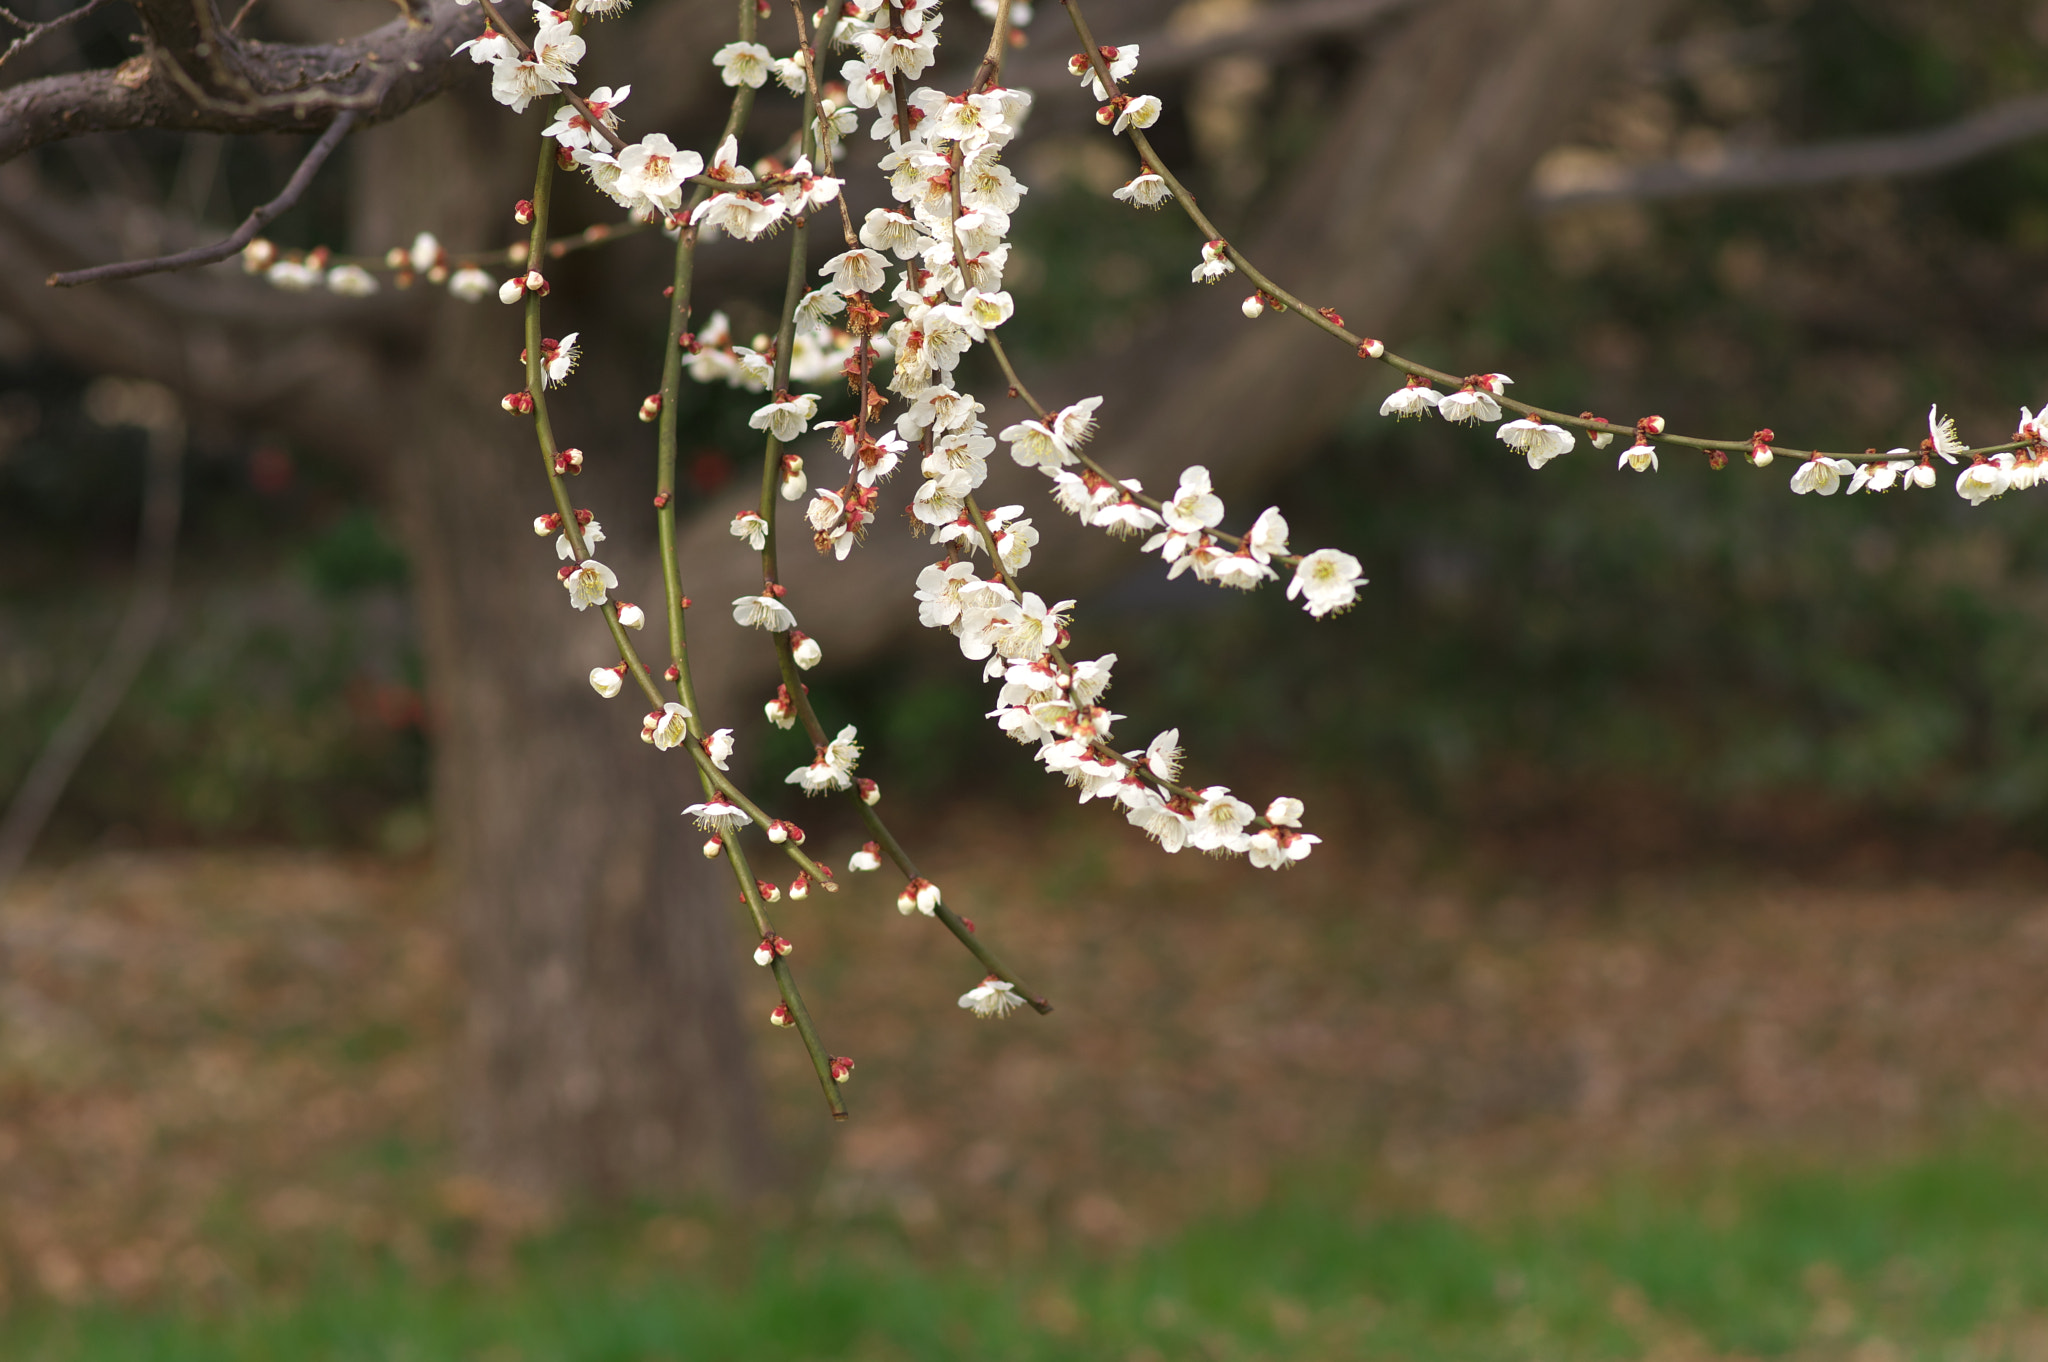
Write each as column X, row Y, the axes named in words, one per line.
column 603, row 1051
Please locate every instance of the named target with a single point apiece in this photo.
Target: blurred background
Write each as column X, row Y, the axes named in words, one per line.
column 1667, row 982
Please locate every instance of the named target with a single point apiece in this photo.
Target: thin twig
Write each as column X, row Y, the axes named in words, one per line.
column 242, row 235
column 33, row 31
column 133, row 639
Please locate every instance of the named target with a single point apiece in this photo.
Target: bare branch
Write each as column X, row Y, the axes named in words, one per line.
column 235, row 241
column 1257, row 30
column 189, row 83
column 1572, row 184
column 33, row 31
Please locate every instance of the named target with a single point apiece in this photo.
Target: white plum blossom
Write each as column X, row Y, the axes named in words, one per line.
column 1416, row 399
column 742, row 64
column 1475, row 401
column 1122, row 61
column 1327, row 580
column 470, row 284
column 992, row 997
column 1538, row 441
column 1141, row 112
column 606, row 681
column 1983, row 480
column 1215, row 264
column 749, row 526
column 833, row 767
column 670, row 726
column 1219, row 822
column 559, row 363
column 1194, row 507
column 1146, row 191
column 718, row 747
column 860, row 270
column 787, row 417
column 351, row 281
column 655, row 169
column 1941, row 431
column 762, row 612
column 576, row 132
column 1641, row 456
column 1267, row 539
column 588, row 582
column 718, row 814
column 1821, row 474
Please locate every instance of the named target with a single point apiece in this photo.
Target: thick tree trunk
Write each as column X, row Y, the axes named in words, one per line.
column 604, row 1052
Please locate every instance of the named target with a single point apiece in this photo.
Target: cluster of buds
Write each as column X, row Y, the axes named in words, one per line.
column 771, row 948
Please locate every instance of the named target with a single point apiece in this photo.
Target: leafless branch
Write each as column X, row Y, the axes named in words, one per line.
column 196, row 76
column 240, row 237
column 1257, row 30
column 1919, row 153
column 133, row 637
column 32, row 31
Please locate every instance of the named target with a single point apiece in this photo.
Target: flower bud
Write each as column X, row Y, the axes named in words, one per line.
column 906, row 902
column 713, row 847
column 870, row 793
column 1718, row 460
column 631, row 615
column 545, row 525
column 769, row 892
column 805, row 649
column 1760, row 447
column 1654, row 425
column 927, row 896
column 782, row 946
column 794, row 484
column 1370, row 349
column 606, row 681
column 842, row 1069
column 568, row 463
column 512, row 290
column 536, row 283
column 650, row 407
column 780, row 1016
column 519, row 403
column 259, row 255
column 778, row 831
column 869, row 857
column 1106, row 115
column 1253, row 306
column 800, row 887
column 764, row 952
column 522, row 212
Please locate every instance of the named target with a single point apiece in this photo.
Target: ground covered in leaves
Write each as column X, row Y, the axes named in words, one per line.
column 224, row 1076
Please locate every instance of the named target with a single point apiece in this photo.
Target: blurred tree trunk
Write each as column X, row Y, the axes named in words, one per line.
column 603, row 1053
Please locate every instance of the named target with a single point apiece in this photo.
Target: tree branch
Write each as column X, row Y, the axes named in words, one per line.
column 1258, row 30
column 242, row 235
column 1918, row 153
column 201, row 78
column 32, row 31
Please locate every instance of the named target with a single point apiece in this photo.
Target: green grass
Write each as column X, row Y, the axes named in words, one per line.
column 1943, row 1257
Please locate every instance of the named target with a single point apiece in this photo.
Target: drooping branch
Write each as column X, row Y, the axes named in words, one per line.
column 1249, row 32
column 1729, row 170
column 197, row 76
column 235, row 241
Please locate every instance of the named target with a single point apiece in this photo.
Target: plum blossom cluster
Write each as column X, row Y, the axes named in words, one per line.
column 1540, row 437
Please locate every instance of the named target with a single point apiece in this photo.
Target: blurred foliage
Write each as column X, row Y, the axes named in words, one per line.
column 283, row 702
